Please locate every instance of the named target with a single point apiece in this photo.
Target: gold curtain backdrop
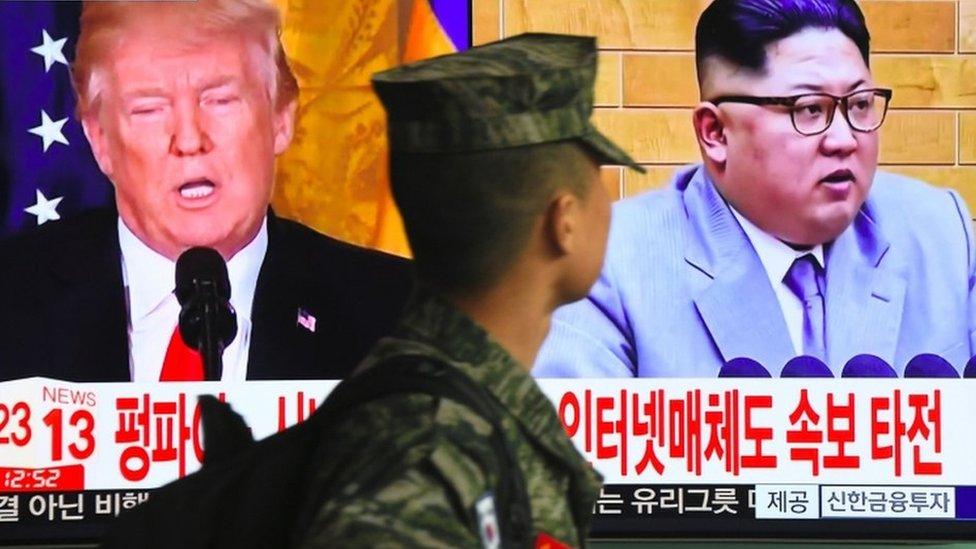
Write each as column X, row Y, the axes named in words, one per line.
column 334, row 176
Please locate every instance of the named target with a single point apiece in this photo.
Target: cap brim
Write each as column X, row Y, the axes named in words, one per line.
column 608, row 152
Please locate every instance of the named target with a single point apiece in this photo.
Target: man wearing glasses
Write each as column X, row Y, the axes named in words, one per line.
column 784, row 241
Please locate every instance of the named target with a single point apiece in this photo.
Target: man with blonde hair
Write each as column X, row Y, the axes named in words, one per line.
column 186, row 106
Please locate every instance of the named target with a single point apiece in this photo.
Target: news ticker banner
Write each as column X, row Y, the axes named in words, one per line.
column 759, row 448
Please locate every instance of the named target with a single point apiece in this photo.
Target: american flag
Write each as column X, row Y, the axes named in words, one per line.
column 46, row 167
column 306, row 320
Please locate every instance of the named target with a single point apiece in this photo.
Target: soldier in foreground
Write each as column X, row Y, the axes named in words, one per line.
column 441, row 438
column 495, row 169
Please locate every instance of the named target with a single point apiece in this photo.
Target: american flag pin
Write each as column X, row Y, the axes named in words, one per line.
column 306, row 320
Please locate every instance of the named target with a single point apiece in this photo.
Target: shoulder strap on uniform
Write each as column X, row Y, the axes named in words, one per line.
column 402, row 375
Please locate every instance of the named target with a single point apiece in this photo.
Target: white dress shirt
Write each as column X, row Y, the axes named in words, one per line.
column 154, row 312
column 777, row 258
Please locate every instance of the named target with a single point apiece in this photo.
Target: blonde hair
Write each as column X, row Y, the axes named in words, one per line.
column 103, row 25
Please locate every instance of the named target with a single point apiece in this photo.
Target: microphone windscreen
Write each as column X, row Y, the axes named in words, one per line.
column 868, row 366
column 931, row 366
column 201, row 264
column 806, row 366
column 743, row 367
column 970, row 370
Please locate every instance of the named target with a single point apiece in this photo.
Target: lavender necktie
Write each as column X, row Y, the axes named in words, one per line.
column 805, row 280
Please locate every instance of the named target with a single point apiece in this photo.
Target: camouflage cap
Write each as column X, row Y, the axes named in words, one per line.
column 525, row 90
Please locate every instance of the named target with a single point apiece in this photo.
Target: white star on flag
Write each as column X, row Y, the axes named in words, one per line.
column 45, row 210
column 50, row 50
column 49, row 130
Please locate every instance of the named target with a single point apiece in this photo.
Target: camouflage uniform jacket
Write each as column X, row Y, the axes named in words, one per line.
column 411, row 467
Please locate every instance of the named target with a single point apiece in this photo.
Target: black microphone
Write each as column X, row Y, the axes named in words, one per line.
column 805, row 366
column 743, row 367
column 868, row 366
column 929, row 365
column 208, row 322
column 970, row 370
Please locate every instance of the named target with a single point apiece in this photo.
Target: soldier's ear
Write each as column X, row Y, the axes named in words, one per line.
column 709, row 125
column 562, row 223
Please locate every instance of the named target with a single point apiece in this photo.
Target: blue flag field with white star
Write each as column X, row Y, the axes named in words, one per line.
column 46, row 167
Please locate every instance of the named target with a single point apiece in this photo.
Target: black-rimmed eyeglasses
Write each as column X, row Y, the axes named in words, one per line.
column 813, row 113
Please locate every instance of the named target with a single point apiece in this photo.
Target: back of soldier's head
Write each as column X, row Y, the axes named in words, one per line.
column 469, row 215
column 481, row 141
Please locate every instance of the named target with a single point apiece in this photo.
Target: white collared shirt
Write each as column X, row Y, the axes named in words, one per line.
column 149, row 280
column 777, row 258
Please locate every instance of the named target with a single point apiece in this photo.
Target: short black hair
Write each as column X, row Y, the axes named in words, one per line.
column 739, row 30
column 468, row 215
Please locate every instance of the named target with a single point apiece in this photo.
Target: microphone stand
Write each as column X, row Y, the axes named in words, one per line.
column 211, row 346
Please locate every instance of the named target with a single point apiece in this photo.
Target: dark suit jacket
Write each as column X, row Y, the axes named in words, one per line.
column 63, row 311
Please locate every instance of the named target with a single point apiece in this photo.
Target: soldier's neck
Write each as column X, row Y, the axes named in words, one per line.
column 515, row 317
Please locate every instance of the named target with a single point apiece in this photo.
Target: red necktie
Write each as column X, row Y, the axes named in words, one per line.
column 181, row 363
